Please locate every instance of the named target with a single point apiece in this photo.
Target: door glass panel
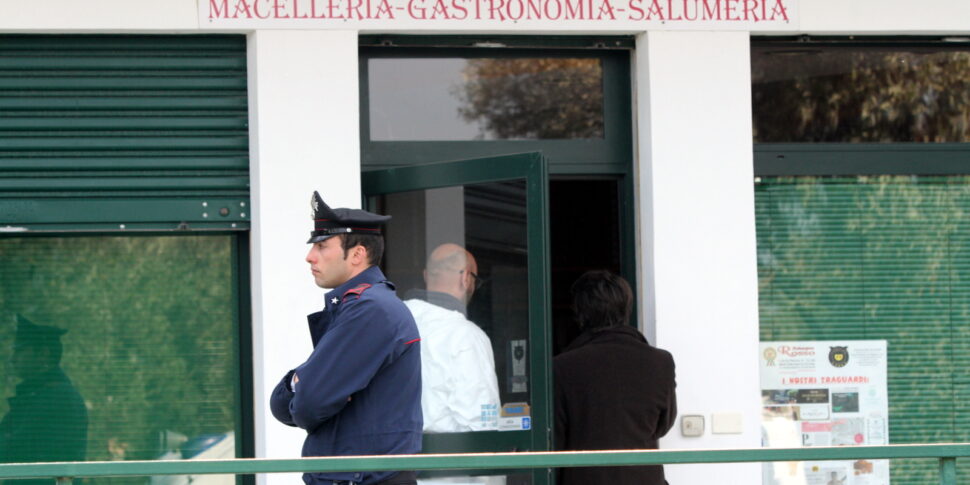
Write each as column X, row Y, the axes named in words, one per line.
column 474, row 327
column 413, row 99
column 118, row 348
column 489, row 221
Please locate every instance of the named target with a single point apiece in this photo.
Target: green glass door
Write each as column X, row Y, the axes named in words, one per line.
column 468, row 250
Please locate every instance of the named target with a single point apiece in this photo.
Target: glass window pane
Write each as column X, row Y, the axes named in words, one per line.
column 877, row 258
column 473, row 311
column 485, row 98
column 129, row 343
column 813, row 93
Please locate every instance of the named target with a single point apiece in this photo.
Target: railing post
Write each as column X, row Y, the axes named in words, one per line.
column 948, row 470
column 63, row 480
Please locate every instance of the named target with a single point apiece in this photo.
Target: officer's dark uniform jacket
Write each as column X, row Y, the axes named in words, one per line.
column 47, row 421
column 359, row 392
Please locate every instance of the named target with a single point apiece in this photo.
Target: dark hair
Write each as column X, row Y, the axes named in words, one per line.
column 601, row 299
column 373, row 243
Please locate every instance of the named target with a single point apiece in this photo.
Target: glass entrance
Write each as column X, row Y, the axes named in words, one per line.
column 468, row 250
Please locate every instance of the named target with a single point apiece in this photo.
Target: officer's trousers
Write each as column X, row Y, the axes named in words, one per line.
column 399, row 478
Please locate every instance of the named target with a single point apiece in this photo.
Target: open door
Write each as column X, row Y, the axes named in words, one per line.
column 496, row 208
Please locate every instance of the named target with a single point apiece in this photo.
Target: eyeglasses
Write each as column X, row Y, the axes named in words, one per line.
column 479, row 281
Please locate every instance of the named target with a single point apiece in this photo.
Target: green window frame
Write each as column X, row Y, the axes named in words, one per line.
column 608, row 158
column 612, row 154
column 135, row 138
column 48, row 276
column 849, row 235
column 532, row 170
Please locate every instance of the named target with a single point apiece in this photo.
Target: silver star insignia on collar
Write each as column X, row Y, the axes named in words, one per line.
column 334, row 300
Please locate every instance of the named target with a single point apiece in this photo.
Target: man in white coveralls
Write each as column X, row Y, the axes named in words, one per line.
column 460, row 390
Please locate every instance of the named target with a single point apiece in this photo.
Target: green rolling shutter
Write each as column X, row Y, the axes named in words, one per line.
column 877, row 257
column 123, row 132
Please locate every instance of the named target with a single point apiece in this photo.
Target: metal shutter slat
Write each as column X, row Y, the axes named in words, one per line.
column 136, row 130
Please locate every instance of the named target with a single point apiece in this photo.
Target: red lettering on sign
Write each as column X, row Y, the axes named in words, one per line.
column 606, row 9
column 256, row 10
column 749, row 8
column 214, row 9
column 729, row 10
column 779, row 8
column 279, row 10
column 385, row 9
column 670, row 11
column 333, row 8
column 752, row 11
column 574, row 11
column 712, row 13
column 686, row 10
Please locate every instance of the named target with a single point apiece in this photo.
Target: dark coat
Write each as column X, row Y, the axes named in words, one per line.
column 47, row 422
column 613, row 391
column 359, row 392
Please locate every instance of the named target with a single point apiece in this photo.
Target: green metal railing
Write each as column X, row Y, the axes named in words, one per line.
column 64, row 472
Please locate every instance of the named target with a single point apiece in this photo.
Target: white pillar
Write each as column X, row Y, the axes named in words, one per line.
column 304, row 136
column 698, row 253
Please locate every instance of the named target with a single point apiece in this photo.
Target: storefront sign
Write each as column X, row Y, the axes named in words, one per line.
column 625, row 15
column 824, row 393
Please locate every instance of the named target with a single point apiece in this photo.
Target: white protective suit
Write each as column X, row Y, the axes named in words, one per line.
column 459, row 389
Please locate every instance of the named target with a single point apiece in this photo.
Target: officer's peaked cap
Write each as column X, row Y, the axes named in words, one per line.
column 32, row 334
column 329, row 222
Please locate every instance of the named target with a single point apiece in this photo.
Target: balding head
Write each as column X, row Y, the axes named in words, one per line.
column 450, row 270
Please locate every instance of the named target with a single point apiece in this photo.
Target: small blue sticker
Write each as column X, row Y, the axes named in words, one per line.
column 526, row 423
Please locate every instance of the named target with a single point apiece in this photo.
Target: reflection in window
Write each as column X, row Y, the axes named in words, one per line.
column 458, row 257
column 489, row 222
column 873, row 258
column 146, row 330
column 485, row 98
column 812, row 93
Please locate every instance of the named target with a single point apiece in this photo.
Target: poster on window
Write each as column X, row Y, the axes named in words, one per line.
column 824, row 393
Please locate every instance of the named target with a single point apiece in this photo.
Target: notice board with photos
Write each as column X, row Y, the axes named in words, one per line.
column 824, row 393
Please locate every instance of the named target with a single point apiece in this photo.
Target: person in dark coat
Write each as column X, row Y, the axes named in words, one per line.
column 613, row 390
column 47, row 420
column 359, row 391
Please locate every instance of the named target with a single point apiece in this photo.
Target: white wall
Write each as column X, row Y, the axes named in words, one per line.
column 304, row 136
column 697, row 233
column 893, row 17
column 98, row 15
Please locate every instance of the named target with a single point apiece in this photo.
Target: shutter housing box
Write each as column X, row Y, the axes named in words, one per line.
column 123, row 133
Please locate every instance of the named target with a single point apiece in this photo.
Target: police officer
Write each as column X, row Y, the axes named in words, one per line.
column 359, row 392
column 47, row 420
